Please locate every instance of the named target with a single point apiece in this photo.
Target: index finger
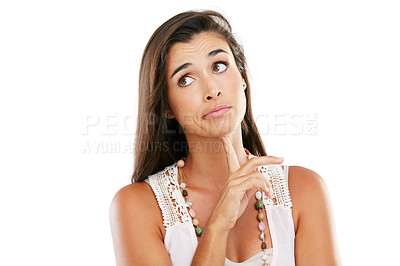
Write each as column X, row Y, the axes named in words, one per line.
column 231, row 157
column 255, row 162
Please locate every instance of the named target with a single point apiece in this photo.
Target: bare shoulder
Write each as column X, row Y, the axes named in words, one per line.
column 131, row 199
column 313, row 218
column 136, row 223
column 305, row 184
column 136, row 204
column 306, row 187
column 133, row 196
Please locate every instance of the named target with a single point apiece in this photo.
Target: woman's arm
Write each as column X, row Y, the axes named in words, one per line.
column 315, row 242
column 134, row 216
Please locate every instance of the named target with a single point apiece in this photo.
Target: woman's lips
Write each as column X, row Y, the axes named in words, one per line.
column 217, row 111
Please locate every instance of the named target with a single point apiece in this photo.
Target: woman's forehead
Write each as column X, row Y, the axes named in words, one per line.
column 200, row 46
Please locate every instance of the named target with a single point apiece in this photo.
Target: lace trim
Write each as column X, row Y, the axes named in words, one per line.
column 166, row 189
column 280, row 189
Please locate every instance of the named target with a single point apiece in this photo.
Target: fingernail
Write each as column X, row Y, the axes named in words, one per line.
column 280, row 158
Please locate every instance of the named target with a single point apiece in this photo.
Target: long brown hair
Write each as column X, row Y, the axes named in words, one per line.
column 161, row 141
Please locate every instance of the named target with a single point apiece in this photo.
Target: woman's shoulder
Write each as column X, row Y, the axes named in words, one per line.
column 136, row 204
column 135, row 197
column 308, row 190
column 304, row 181
column 136, row 226
column 140, row 198
column 132, row 192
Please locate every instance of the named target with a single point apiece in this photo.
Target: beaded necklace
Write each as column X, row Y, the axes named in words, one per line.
column 199, row 230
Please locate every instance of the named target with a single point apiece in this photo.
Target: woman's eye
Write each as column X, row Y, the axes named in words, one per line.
column 219, row 67
column 185, row 81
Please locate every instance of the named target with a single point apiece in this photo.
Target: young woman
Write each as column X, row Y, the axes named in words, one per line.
column 204, row 191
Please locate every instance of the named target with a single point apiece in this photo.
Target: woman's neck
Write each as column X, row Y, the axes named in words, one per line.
column 206, row 163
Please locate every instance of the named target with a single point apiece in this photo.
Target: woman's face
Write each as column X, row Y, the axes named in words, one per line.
column 201, row 75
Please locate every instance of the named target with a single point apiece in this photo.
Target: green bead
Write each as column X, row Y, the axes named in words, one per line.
column 199, row 230
column 259, row 204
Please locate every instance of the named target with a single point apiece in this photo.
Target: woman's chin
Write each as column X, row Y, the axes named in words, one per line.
column 216, row 132
column 213, row 128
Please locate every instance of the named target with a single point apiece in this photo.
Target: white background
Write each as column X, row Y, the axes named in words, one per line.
column 65, row 65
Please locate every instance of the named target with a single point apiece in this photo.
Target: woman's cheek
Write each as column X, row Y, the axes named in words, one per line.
column 187, row 108
column 235, row 81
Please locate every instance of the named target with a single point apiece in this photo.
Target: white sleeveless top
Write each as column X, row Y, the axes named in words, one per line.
column 180, row 237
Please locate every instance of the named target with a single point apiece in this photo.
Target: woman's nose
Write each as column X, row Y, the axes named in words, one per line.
column 212, row 94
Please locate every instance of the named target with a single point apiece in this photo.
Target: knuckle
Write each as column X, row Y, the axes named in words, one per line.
column 230, row 186
column 257, row 159
column 234, row 188
column 233, row 175
column 232, row 183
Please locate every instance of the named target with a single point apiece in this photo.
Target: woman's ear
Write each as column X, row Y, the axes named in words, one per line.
column 244, row 85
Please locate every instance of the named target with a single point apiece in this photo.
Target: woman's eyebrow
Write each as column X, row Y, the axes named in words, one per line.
column 179, row 68
column 186, row 65
column 216, row 51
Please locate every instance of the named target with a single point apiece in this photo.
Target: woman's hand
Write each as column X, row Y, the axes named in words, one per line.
column 241, row 185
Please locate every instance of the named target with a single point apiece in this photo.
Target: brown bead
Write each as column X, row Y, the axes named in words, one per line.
column 260, row 216
column 264, row 245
